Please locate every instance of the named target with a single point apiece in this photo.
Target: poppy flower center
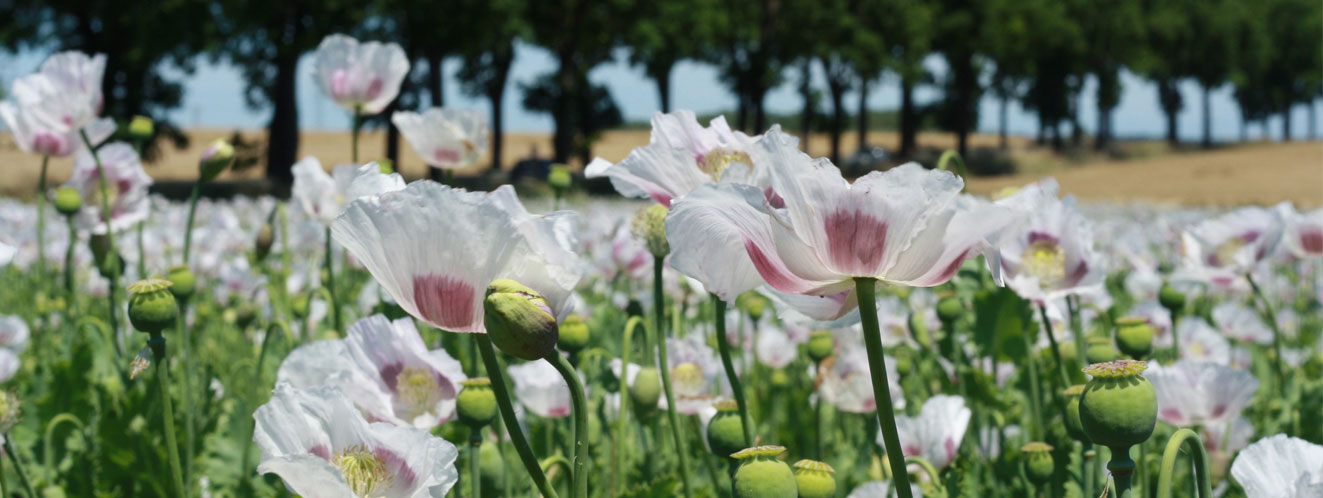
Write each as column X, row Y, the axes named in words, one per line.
column 1046, row 261
column 688, row 378
column 417, row 391
column 1226, row 252
column 717, row 160
column 366, row 474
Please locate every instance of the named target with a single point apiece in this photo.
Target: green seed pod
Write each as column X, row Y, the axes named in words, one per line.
column 182, row 283
column 519, row 320
column 762, row 475
column 141, row 127
column 949, row 309
column 1134, row 337
column 108, row 263
column 820, row 345
column 266, row 236
column 752, row 304
column 646, row 390
column 779, row 378
column 1118, row 407
column 815, row 479
column 68, row 201
column 725, row 432
column 559, row 178
column 650, row 227
column 1100, row 350
column 1073, row 427
column 1171, row 298
column 152, row 307
column 476, row 403
column 245, row 314
column 491, row 469
column 1038, row 464
column 299, row 306
column 573, row 334
column 215, row 159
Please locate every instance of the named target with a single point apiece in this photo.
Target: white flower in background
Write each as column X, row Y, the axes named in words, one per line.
column 321, row 446
column 6, row 253
column 694, row 368
column 1221, row 250
column 1049, row 253
column 63, row 97
column 541, row 389
column 775, row 348
column 845, row 382
column 444, row 138
column 1280, row 467
column 879, row 489
column 1199, row 393
column 1157, row 317
column 435, row 249
column 315, row 363
column 363, row 77
column 35, row 137
column 14, row 335
column 681, row 155
column 1200, row 342
column 1240, row 322
column 1302, row 233
column 324, row 196
column 417, row 386
column 1218, row 439
column 936, row 433
column 126, row 188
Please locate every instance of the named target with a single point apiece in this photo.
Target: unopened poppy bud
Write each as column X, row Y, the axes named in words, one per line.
column 1038, row 464
column 245, row 314
column 266, row 236
column 919, row 330
column 559, row 178
column 1171, row 298
column 725, row 432
column 949, row 309
column 108, row 263
column 646, row 389
column 519, row 320
column 68, row 201
column 820, row 345
column 573, row 334
column 1118, row 407
column 182, row 282
column 650, row 227
column 141, row 127
column 1073, row 427
column 763, row 475
column 815, row 479
column 1100, row 350
column 300, row 306
column 1134, row 337
column 476, row 403
column 753, row 304
column 10, row 410
column 215, row 159
column 152, row 307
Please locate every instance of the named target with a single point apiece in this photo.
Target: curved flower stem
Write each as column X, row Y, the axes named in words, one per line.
column 18, row 467
column 949, row 156
column 1056, row 351
column 157, row 344
column 877, row 367
column 1271, row 317
column 618, row 482
column 48, row 451
column 926, row 466
column 1035, row 393
column 192, row 211
column 110, row 239
column 1192, row 441
column 580, row 454
column 1121, row 467
column 659, row 309
column 330, row 285
column 1076, row 325
column 475, row 473
column 41, row 220
column 508, row 417
column 723, row 344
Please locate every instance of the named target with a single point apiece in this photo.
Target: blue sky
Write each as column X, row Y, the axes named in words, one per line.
column 214, row 98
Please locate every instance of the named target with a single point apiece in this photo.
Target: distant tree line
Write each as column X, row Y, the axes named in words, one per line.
column 1039, row 53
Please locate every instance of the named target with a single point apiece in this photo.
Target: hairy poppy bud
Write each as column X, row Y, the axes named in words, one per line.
column 182, row 282
column 152, row 307
column 559, row 178
column 650, row 227
column 949, row 309
column 215, row 159
column 141, row 127
column 1171, row 298
column 519, row 320
column 646, row 390
column 266, row 236
column 820, row 345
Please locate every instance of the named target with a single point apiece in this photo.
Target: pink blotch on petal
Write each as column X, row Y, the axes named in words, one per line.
column 444, row 301
column 1312, row 240
column 446, row 155
column 403, row 474
column 773, row 270
column 1172, row 416
column 855, row 241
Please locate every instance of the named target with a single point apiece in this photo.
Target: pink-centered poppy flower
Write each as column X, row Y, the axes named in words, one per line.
column 937, row 432
column 324, row 196
column 33, row 136
column 126, row 188
column 63, row 97
column 681, row 155
column 321, row 446
column 847, row 385
column 435, row 249
column 904, row 226
column 363, row 77
column 1192, row 393
column 1302, row 233
column 1280, row 467
column 444, row 138
column 541, row 389
column 1222, row 250
column 1049, row 253
column 416, row 387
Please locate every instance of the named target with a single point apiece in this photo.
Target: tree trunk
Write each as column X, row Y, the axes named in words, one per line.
column 863, row 112
column 966, row 86
column 283, row 131
column 1002, row 142
column 806, row 116
column 436, row 79
column 759, row 108
column 1170, row 98
column 1313, row 121
column 1286, row 123
column 837, row 89
column 1208, row 117
column 909, row 119
column 496, row 93
column 392, row 137
column 662, row 75
column 562, row 141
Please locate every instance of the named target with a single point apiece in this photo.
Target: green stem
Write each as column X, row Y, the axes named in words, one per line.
column 48, row 439
column 271, row 333
column 664, row 368
column 933, row 476
column 820, row 412
column 1122, row 468
column 1035, row 394
column 110, row 239
column 68, row 260
column 508, row 417
column 580, row 453
column 18, row 467
column 330, row 285
column 723, row 344
column 475, row 472
column 1086, row 467
column 877, row 366
column 192, row 211
column 185, row 352
column 1271, row 317
column 357, row 123
column 1056, row 351
column 142, row 251
column 618, row 463
column 1189, row 439
column 157, row 344
column 1076, row 326
column 950, row 156
column 41, row 219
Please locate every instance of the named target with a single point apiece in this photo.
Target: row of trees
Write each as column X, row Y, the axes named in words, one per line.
column 1037, row 52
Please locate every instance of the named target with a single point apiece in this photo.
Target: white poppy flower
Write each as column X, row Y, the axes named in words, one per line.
column 324, row 196
column 774, row 348
column 1221, row 250
column 846, row 383
column 1200, row 342
column 126, row 187
column 936, row 433
column 63, row 97
column 540, row 388
column 1240, row 322
column 444, row 138
column 1280, row 467
column 1049, row 253
column 1194, row 393
column 34, row 137
column 363, row 77
column 321, row 446
column 417, row 386
column 1302, row 233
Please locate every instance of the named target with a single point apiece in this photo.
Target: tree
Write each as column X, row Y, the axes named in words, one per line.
column 1167, row 55
column 265, row 41
column 1292, row 75
column 906, row 28
column 1212, row 64
column 749, row 51
column 493, row 28
column 956, row 35
column 662, row 34
column 1113, row 33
